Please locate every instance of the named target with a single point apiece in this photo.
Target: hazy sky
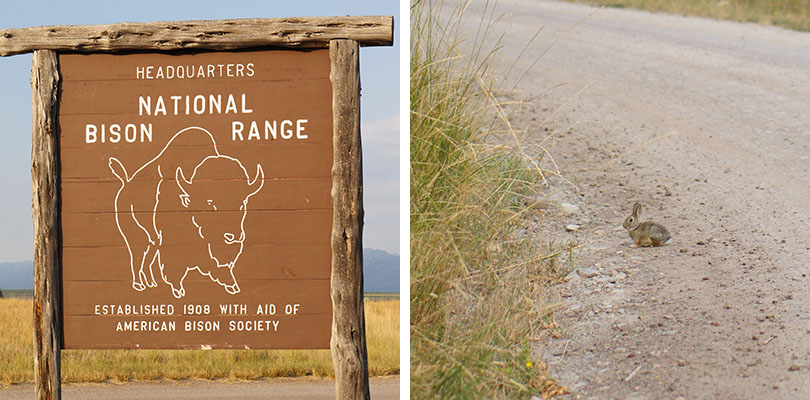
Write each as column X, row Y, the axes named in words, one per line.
column 379, row 68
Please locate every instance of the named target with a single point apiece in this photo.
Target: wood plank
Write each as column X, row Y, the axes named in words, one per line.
column 128, row 109
column 348, row 344
column 276, row 194
column 229, row 34
column 270, row 66
column 308, row 327
column 312, row 295
column 270, row 261
column 276, row 161
column 261, row 227
column 45, row 174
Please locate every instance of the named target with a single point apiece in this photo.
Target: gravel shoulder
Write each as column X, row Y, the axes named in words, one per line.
column 706, row 123
column 386, row 388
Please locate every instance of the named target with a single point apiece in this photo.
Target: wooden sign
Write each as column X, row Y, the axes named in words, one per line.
column 180, row 198
column 196, row 205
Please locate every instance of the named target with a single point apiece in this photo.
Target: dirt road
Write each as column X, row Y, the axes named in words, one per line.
column 281, row 388
column 707, row 123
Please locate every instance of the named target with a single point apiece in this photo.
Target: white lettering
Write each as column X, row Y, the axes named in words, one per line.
column 236, row 128
column 231, row 105
column 291, row 309
column 215, row 102
column 299, row 129
column 202, row 326
column 145, row 326
column 269, row 129
column 160, row 107
column 90, row 133
column 287, row 128
column 269, row 309
column 235, row 70
column 145, row 104
column 245, row 110
column 286, row 133
column 115, row 133
column 253, row 325
column 233, row 309
column 254, row 131
column 176, row 102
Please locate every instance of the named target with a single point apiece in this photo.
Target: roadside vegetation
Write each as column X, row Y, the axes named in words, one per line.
column 791, row 14
column 17, row 357
column 476, row 287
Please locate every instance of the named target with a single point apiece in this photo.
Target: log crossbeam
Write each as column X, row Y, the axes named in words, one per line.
column 228, row 34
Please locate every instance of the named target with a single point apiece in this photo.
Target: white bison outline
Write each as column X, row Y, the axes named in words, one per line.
column 149, row 239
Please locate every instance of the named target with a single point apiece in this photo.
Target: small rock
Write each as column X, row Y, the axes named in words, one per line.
column 794, row 367
column 681, row 363
column 572, row 227
column 587, row 272
column 568, row 208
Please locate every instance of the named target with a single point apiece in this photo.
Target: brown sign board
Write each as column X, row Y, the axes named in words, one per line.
column 196, row 209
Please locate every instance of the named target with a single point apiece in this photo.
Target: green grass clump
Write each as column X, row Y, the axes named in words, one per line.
column 791, row 14
column 474, row 285
column 17, row 354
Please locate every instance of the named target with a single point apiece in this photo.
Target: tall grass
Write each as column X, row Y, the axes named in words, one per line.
column 16, row 354
column 474, row 285
column 791, row 14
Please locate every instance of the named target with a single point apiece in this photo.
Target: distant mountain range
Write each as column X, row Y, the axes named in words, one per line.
column 17, row 275
column 380, row 269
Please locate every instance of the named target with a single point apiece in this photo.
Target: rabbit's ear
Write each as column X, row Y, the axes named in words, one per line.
column 637, row 209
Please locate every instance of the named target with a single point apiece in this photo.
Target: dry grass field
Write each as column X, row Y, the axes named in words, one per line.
column 16, row 354
column 791, row 14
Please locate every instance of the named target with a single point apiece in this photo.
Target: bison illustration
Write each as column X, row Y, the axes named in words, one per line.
column 185, row 209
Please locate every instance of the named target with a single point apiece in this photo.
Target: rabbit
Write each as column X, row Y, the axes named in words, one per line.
column 645, row 233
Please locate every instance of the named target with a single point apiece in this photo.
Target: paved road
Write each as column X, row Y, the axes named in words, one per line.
column 708, row 124
column 386, row 388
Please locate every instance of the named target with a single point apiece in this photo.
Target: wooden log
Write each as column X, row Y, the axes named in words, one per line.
column 45, row 175
column 348, row 343
column 229, row 34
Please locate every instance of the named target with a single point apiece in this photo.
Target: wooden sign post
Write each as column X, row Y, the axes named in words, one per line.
column 171, row 205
